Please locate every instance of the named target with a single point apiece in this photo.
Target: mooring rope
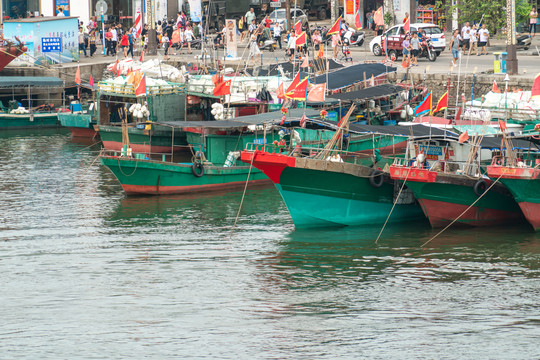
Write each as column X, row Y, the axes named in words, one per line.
column 393, row 206
column 463, row 213
column 243, row 196
column 85, row 171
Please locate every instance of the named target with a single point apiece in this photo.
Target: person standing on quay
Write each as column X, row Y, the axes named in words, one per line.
column 114, row 39
column 533, row 16
column 466, row 36
column 454, row 46
column 92, row 41
column 483, row 39
column 82, row 45
column 124, row 42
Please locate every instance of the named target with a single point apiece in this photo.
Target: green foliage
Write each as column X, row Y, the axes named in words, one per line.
column 388, row 18
column 494, row 12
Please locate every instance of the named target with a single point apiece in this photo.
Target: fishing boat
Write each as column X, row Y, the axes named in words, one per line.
column 522, row 177
column 448, row 180
column 10, row 51
column 215, row 146
column 164, row 101
column 40, row 97
column 334, row 186
column 80, row 119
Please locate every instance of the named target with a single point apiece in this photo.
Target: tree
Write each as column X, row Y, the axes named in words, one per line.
column 494, row 11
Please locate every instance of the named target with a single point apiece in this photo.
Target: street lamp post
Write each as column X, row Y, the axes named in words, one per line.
column 511, row 60
column 152, row 43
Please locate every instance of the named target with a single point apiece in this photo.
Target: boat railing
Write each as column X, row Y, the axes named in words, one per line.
column 446, row 166
column 516, row 162
column 128, row 154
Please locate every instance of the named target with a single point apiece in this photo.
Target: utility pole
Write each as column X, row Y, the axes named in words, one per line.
column 334, row 10
column 288, row 13
column 152, row 43
column 511, row 60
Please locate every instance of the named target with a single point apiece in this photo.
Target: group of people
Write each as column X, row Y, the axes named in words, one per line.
column 471, row 39
column 412, row 47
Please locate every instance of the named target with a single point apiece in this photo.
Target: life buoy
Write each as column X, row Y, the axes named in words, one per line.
column 480, row 187
column 197, row 169
column 376, row 178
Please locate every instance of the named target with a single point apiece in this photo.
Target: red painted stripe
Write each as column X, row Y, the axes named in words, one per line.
column 272, row 165
column 532, row 213
column 442, row 213
column 164, row 190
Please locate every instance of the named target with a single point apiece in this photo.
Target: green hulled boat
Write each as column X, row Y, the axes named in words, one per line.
column 328, row 193
column 451, row 189
column 31, row 120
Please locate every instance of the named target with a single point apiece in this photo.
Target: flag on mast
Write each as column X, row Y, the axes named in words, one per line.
column 358, row 20
column 442, row 103
column 335, row 28
column 424, row 106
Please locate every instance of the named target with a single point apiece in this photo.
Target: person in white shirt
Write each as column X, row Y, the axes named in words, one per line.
column 188, row 35
column 277, row 33
column 466, row 36
column 483, row 36
column 114, row 39
column 291, row 45
column 474, row 40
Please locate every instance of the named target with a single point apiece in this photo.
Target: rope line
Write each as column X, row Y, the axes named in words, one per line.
column 393, row 206
column 243, row 196
column 463, row 213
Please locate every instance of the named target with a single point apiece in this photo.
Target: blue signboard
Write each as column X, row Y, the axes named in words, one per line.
column 51, row 44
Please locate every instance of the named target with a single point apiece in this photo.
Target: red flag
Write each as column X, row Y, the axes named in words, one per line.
column 494, row 88
column 424, row 106
column 298, row 28
column 535, row 91
column 223, row 88
column 280, row 93
column 442, row 103
column 358, row 21
column 140, row 90
column 317, row 93
column 299, row 92
column 305, row 63
column 406, row 26
column 91, row 81
column 301, row 40
column 378, row 17
column 502, row 125
column 335, row 28
column 141, row 59
column 115, row 68
column 78, row 75
column 295, row 82
column 464, row 136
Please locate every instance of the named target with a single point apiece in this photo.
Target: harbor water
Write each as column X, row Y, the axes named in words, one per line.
column 88, row 273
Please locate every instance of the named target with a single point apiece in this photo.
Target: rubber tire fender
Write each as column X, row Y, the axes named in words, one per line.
column 480, row 187
column 197, row 169
column 376, row 178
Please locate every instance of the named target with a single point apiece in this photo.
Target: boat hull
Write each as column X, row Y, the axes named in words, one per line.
column 149, row 177
column 449, row 198
column 28, row 121
column 319, row 193
column 524, row 184
column 157, row 140
column 80, row 125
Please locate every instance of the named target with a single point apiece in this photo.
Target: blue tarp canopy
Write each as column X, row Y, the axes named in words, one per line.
column 350, row 75
column 23, row 81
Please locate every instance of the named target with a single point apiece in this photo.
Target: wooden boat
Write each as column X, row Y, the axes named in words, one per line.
column 215, row 146
column 10, row 51
column 80, row 120
column 39, row 96
column 449, row 188
column 323, row 192
column 520, row 173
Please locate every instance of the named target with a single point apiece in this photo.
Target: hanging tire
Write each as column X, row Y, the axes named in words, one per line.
column 376, row 178
column 197, row 169
column 480, row 187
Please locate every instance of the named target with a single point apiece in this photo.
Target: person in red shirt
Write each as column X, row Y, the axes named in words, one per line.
column 267, row 21
column 108, row 42
column 125, row 43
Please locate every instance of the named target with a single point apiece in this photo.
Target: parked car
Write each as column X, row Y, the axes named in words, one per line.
column 280, row 16
column 396, row 34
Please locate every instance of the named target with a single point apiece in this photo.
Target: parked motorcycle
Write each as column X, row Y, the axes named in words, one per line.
column 524, row 42
column 427, row 50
